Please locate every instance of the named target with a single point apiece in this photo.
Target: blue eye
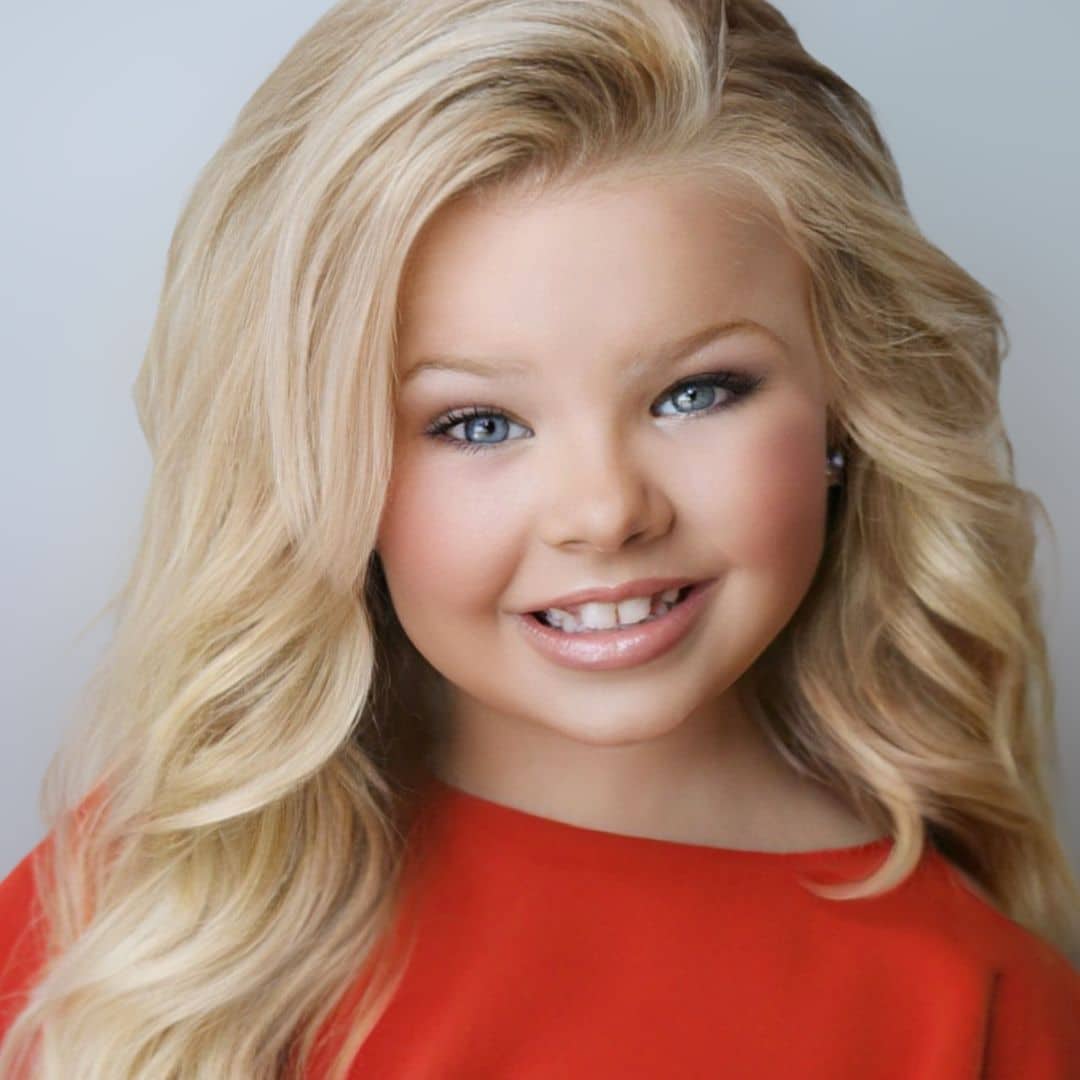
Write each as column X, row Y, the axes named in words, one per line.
column 486, row 420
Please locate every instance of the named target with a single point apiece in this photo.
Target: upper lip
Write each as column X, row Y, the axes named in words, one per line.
column 613, row 594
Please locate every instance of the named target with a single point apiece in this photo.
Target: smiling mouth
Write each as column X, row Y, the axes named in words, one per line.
column 665, row 609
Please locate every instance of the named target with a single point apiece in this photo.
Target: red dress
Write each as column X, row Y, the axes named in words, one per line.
column 549, row 951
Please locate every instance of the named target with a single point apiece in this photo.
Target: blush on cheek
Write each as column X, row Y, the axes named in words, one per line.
column 441, row 553
column 777, row 500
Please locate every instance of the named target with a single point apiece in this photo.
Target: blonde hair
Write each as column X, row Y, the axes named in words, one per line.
column 254, row 729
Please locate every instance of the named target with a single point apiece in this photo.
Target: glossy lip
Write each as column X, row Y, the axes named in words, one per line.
column 602, row 595
column 606, row 650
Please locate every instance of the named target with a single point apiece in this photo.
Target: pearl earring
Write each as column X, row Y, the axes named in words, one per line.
column 834, row 467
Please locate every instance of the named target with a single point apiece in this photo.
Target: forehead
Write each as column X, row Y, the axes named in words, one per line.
column 601, row 265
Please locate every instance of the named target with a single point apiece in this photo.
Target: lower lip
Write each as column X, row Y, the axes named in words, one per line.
column 605, row 650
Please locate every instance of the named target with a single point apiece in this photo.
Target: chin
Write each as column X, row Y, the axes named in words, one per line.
column 616, row 730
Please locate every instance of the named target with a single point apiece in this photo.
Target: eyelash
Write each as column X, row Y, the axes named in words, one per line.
column 737, row 384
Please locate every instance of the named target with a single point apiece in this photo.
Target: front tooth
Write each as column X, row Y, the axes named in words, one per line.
column 598, row 616
column 634, row 609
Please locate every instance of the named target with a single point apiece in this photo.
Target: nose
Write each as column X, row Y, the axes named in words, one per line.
column 602, row 496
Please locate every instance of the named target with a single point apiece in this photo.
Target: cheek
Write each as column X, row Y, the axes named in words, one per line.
column 438, row 549
column 774, row 499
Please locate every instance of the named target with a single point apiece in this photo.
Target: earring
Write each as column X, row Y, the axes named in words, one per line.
column 834, row 467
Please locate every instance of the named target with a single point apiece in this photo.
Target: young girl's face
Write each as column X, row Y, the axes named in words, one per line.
column 597, row 459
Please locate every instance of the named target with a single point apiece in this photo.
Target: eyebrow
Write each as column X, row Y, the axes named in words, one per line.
column 670, row 353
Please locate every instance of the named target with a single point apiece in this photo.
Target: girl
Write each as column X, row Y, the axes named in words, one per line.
column 584, row 624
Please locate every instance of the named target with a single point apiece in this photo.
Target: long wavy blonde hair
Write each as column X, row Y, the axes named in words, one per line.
column 251, row 738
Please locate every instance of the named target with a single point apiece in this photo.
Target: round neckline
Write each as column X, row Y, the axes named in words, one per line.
column 510, row 824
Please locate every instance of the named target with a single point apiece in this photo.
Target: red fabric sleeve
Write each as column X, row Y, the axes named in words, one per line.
column 1036, row 1023
column 22, row 935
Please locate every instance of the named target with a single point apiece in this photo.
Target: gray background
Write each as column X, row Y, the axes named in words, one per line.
column 110, row 109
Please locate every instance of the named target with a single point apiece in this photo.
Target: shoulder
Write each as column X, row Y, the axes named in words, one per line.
column 22, row 931
column 1033, row 998
column 1034, row 1023
column 19, row 902
column 23, row 925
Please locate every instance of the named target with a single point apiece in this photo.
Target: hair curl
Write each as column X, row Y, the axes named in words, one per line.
column 255, row 725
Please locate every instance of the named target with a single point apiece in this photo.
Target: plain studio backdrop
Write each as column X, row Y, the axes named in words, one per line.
column 111, row 109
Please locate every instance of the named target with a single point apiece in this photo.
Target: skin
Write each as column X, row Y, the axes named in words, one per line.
column 585, row 484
